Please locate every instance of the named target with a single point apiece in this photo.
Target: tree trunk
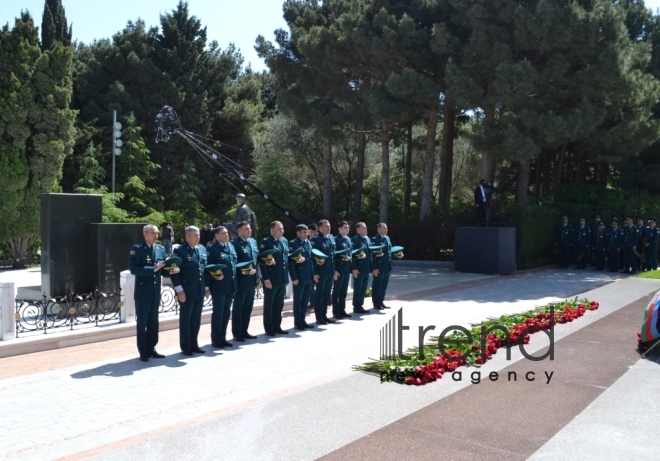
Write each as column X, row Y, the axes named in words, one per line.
column 581, row 170
column 385, row 173
column 487, row 160
column 327, row 180
column 447, row 157
column 539, row 168
column 547, row 171
column 408, row 173
column 429, row 166
column 560, row 168
column 19, row 247
column 523, row 182
column 359, row 176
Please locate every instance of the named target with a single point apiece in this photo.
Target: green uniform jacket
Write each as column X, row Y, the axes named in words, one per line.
column 191, row 277
column 382, row 263
column 141, row 262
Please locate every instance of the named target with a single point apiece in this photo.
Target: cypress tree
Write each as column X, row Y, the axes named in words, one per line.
column 54, row 25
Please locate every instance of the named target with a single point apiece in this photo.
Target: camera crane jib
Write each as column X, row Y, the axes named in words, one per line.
column 167, row 124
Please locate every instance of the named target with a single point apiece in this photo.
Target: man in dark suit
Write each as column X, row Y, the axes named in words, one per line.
column 482, row 203
column 381, row 261
column 630, row 239
column 361, row 267
column 145, row 261
column 302, row 276
column 312, row 231
column 641, row 260
column 246, row 281
column 276, row 277
column 191, row 289
column 222, row 287
column 343, row 267
column 324, row 271
column 614, row 245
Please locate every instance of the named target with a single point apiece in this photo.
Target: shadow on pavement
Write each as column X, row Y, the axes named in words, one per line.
column 129, row 367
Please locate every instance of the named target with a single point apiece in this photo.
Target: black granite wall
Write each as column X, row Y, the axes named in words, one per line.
column 110, row 245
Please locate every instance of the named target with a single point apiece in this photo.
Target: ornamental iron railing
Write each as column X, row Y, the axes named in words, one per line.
column 67, row 311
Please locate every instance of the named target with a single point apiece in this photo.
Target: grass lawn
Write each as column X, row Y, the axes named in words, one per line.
column 649, row 275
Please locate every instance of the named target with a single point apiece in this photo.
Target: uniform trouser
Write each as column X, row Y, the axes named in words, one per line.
column 379, row 287
column 323, row 290
column 190, row 318
column 582, row 258
column 614, row 259
column 220, row 317
column 564, row 255
column 359, row 289
column 599, row 253
column 641, row 261
column 339, row 291
column 652, row 256
column 240, row 316
column 300, row 301
column 312, row 294
column 147, row 325
column 167, row 243
column 629, row 263
column 273, row 305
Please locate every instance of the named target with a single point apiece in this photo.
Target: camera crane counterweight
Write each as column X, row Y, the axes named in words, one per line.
column 167, row 124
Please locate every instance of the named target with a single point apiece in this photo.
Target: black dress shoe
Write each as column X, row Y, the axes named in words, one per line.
column 156, row 355
column 249, row 336
column 239, row 339
column 385, row 307
column 270, row 334
column 188, row 353
column 299, row 327
column 321, row 322
column 378, row 308
column 218, row 345
column 337, row 317
column 144, row 357
column 199, row 350
column 329, row 320
column 346, row 315
column 307, row 325
column 360, row 311
column 226, row 343
column 282, row 332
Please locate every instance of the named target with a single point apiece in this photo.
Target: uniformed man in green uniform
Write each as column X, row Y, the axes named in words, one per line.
column 594, row 234
column 324, row 271
column 361, row 267
column 564, row 241
column 343, row 267
column 582, row 242
column 275, row 277
column 191, row 289
column 246, row 281
column 651, row 244
column 600, row 247
column 301, row 272
column 222, row 287
column 145, row 261
column 614, row 244
column 381, row 262
column 630, row 238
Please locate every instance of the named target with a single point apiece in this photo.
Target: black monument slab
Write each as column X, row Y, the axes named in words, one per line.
column 66, row 263
column 109, row 248
column 485, row 250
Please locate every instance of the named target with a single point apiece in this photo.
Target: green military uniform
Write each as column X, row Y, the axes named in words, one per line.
column 246, row 251
column 326, row 272
column 381, row 260
column 278, row 276
column 141, row 262
column 340, row 286
column 640, row 255
column 363, row 266
column 190, row 280
column 303, row 273
column 601, row 246
column 222, row 291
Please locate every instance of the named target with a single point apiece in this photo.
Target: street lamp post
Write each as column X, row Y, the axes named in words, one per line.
column 116, row 144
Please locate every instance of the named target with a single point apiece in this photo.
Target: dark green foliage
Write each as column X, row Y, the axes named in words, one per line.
column 54, row 25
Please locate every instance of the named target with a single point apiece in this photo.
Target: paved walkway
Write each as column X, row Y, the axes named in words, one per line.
column 295, row 398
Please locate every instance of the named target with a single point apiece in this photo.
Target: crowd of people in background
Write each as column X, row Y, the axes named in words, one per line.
column 631, row 249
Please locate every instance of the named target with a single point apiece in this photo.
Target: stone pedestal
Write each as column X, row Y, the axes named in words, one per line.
column 66, row 265
column 7, row 311
column 109, row 247
column 485, row 250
